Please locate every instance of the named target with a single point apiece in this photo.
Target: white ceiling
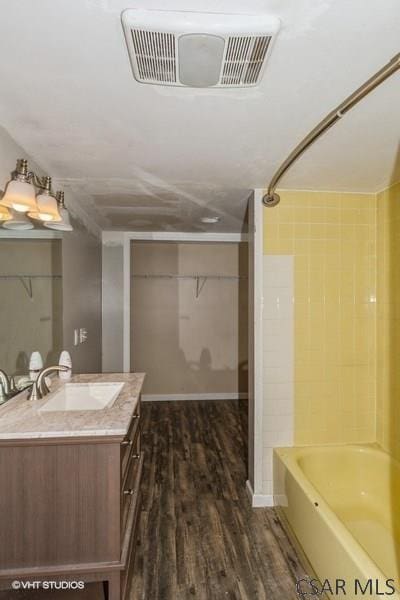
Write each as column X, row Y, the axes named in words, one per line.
column 143, row 157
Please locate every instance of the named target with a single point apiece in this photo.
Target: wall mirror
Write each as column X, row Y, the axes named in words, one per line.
column 31, row 302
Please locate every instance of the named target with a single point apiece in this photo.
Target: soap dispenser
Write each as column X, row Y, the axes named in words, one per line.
column 65, row 361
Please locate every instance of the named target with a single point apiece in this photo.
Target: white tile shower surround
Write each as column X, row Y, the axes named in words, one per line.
column 278, row 362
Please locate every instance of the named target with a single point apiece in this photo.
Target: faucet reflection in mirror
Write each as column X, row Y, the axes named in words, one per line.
column 21, row 201
column 8, row 387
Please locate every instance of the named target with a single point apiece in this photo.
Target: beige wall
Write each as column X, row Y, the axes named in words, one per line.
column 81, row 265
column 10, row 151
column 188, row 344
column 113, row 308
column 31, row 309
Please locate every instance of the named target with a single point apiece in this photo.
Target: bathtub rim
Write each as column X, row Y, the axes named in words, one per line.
column 289, row 457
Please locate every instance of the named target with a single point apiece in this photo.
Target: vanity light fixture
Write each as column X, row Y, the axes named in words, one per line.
column 20, row 193
column 20, row 197
column 46, row 204
column 65, row 223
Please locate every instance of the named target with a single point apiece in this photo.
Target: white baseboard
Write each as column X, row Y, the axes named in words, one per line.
column 179, row 397
column 259, row 500
column 281, row 500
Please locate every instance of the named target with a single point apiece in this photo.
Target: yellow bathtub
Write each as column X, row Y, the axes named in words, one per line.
column 343, row 505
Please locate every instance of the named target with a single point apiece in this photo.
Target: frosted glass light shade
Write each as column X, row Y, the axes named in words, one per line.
column 5, row 214
column 46, row 209
column 64, row 224
column 20, row 196
column 18, row 221
column 200, row 59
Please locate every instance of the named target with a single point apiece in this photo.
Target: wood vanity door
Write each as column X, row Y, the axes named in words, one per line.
column 59, row 504
column 63, row 511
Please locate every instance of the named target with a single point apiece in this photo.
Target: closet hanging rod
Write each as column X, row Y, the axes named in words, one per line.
column 271, row 198
column 31, row 276
column 172, row 276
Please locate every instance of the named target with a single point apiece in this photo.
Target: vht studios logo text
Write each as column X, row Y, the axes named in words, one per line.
column 48, row 585
column 308, row 587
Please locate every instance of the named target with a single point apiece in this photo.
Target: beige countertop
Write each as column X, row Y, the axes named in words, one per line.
column 21, row 418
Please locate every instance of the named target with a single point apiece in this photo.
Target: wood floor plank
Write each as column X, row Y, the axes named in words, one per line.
column 199, row 537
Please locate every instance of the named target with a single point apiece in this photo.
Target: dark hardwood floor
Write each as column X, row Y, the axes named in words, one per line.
column 199, row 537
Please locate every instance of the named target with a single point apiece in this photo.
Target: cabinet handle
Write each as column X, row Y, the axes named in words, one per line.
column 135, row 456
column 136, row 416
column 129, row 492
column 127, row 443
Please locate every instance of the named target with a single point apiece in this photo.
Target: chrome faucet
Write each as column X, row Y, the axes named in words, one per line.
column 8, row 389
column 39, row 387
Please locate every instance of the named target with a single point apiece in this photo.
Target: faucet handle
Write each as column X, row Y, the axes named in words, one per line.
column 13, row 384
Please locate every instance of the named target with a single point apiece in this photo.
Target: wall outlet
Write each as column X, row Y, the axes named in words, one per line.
column 83, row 335
column 76, row 337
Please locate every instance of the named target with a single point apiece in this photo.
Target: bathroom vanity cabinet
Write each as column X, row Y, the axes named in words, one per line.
column 70, row 504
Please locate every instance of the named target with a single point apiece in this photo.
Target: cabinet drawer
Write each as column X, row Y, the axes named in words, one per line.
column 128, row 442
column 127, row 573
column 131, row 486
column 131, row 459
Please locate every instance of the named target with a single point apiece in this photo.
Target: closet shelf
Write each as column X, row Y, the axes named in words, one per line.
column 26, row 280
column 30, row 276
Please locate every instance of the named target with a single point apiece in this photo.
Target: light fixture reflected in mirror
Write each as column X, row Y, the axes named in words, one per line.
column 65, row 223
column 18, row 221
column 20, row 196
column 5, row 214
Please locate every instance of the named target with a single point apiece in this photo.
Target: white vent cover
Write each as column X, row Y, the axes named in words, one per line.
column 198, row 49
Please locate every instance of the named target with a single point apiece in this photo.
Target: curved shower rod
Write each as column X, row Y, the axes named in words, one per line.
column 271, row 198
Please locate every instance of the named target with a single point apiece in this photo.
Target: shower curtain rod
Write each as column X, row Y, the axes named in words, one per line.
column 271, row 198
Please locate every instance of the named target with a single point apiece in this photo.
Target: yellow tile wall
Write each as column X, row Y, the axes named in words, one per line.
column 388, row 320
column 333, row 239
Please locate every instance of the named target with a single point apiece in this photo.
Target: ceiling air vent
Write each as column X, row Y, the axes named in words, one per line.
column 155, row 56
column 198, row 49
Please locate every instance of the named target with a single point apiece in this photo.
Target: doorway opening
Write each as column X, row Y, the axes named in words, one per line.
column 189, row 320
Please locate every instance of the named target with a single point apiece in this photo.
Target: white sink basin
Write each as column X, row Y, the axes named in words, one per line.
column 83, row 396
